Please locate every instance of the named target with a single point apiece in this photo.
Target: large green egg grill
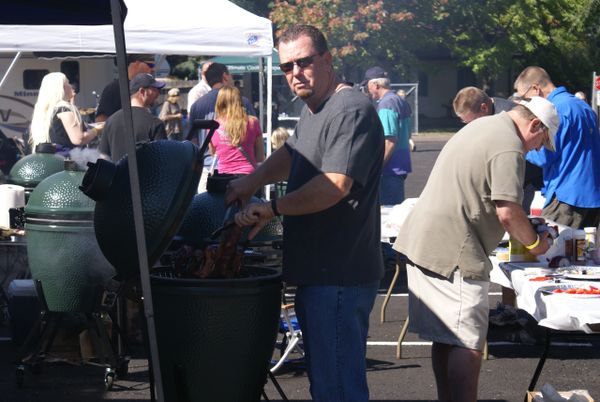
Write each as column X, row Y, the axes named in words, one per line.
column 207, row 212
column 62, row 249
column 30, row 170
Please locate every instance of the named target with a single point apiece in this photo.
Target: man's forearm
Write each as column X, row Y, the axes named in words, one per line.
column 274, row 169
column 321, row 192
column 389, row 146
column 515, row 221
column 517, row 224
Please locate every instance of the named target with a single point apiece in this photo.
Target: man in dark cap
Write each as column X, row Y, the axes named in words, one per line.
column 110, row 100
column 144, row 91
column 393, row 112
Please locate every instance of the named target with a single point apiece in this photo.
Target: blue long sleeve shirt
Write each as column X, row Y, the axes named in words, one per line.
column 572, row 173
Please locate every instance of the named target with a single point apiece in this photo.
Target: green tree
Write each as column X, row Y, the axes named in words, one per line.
column 488, row 37
column 360, row 32
column 573, row 49
column 493, row 35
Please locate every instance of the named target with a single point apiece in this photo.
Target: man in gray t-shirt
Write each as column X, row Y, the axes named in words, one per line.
column 331, row 247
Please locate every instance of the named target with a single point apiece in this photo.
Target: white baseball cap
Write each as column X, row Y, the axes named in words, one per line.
column 544, row 110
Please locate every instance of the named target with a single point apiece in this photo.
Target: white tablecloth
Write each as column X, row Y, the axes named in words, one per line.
column 393, row 216
column 556, row 311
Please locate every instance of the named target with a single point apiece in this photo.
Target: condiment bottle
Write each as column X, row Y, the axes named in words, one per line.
column 568, row 236
column 579, row 245
column 590, row 237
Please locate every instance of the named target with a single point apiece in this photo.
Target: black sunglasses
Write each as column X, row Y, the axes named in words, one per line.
column 149, row 64
column 302, row 63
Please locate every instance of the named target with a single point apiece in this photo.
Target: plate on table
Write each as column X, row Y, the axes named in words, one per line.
column 588, row 273
column 564, row 289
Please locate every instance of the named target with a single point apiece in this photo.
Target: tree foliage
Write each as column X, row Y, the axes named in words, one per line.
column 487, row 36
column 359, row 32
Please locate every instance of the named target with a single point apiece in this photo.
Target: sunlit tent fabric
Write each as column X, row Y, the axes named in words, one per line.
column 201, row 27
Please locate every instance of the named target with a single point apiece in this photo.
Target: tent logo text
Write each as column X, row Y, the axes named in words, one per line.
column 252, row 39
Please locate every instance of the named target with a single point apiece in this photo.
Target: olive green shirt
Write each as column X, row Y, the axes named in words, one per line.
column 454, row 223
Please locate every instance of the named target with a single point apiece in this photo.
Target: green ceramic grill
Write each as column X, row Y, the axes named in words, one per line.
column 62, row 249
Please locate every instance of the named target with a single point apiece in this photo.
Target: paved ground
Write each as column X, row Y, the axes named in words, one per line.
column 573, row 363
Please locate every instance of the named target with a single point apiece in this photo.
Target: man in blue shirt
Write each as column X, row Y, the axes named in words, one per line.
column 572, row 172
column 394, row 114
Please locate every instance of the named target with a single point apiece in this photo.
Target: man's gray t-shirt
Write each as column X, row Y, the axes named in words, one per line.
column 340, row 245
column 114, row 135
column 455, row 223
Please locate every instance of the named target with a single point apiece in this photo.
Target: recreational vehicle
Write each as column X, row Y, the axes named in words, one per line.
column 19, row 90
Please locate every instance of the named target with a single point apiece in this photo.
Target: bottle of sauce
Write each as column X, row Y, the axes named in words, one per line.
column 579, row 246
column 590, row 237
column 569, row 245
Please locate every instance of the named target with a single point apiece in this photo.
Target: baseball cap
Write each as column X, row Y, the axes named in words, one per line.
column 544, row 110
column 173, row 92
column 372, row 73
column 144, row 80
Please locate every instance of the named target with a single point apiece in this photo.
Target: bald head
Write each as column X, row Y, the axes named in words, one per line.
column 534, row 81
column 471, row 103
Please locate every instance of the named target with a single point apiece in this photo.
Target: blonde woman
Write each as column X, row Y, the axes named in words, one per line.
column 238, row 141
column 56, row 118
column 279, row 137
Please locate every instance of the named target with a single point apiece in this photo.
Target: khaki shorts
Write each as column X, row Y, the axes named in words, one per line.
column 451, row 311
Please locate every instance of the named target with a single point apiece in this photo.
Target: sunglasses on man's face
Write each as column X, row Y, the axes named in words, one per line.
column 150, row 64
column 301, row 63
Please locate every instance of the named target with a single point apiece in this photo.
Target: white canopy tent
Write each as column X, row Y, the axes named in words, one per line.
column 201, row 27
column 179, row 27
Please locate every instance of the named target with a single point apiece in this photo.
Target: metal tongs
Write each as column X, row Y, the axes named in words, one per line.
column 228, row 220
column 225, row 259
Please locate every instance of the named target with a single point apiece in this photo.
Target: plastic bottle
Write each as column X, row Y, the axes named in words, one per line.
column 579, row 246
column 590, row 237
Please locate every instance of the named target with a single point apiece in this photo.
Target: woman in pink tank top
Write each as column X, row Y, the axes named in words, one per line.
column 238, row 142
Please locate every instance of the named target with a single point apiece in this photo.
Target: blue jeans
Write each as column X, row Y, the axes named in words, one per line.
column 391, row 189
column 335, row 322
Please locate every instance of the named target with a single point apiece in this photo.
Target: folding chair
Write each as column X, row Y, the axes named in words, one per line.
column 292, row 335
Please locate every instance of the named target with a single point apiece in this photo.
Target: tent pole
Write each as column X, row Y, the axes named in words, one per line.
column 269, row 113
column 261, row 96
column 8, row 70
column 135, row 193
column 269, row 99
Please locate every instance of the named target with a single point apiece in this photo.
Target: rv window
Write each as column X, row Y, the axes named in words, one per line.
column 71, row 70
column 32, row 79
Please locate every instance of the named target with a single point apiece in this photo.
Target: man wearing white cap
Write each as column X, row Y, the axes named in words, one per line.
column 571, row 171
column 472, row 197
column 171, row 114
